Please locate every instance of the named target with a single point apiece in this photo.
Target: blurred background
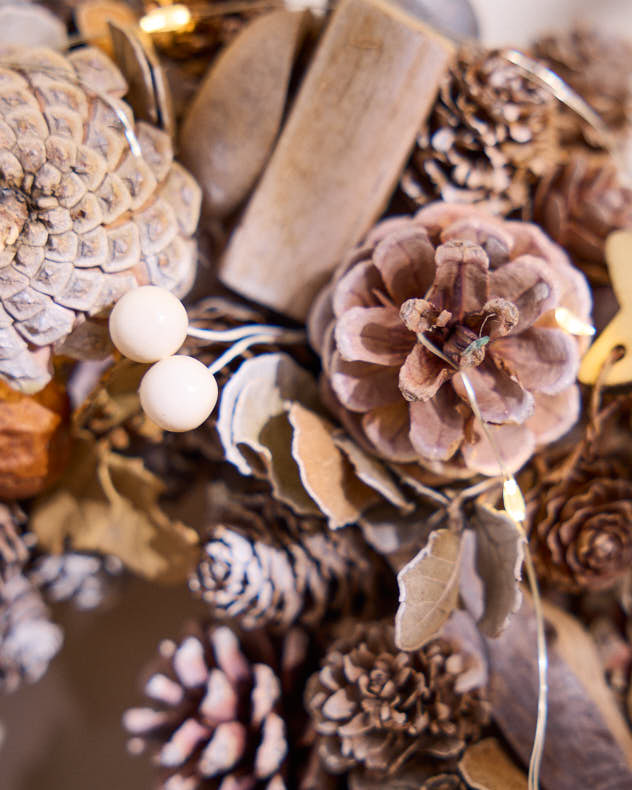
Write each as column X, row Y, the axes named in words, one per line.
column 64, row 732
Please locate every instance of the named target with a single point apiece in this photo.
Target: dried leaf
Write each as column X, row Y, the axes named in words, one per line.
column 587, row 741
column 395, row 535
column 230, row 129
column 428, row 590
column 486, row 766
column 326, row 473
column 278, row 379
column 283, row 472
column 499, row 555
column 372, row 472
column 26, row 25
column 109, row 503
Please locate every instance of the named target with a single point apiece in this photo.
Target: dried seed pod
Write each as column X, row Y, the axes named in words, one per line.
column 34, row 439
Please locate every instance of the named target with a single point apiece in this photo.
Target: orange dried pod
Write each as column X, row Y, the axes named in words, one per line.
column 34, row 439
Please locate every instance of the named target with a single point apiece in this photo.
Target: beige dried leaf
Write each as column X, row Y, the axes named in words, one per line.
column 109, row 504
column 372, row 472
column 326, row 473
column 230, row 129
column 499, row 556
column 487, row 766
column 428, row 590
column 266, row 382
column 283, row 472
column 26, row 25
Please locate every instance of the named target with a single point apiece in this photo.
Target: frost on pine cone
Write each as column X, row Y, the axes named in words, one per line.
column 491, row 132
column 375, row 706
column 483, row 292
column 264, row 565
column 215, row 713
column 82, row 218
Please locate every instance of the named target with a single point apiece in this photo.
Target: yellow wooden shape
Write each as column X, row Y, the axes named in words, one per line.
column 619, row 330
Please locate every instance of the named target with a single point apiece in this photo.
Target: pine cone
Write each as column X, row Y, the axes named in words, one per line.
column 264, row 565
column 596, row 65
column 483, row 292
column 376, row 706
column 82, row 218
column 416, row 778
column 579, row 204
column 582, row 530
column 216, row 714
column 15, row 547
column 84, row 579
column 28, row 640
column 490, row 133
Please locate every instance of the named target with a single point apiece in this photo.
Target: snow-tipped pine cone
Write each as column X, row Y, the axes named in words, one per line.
column 83, row 218
column 483, row 292
column 376, row 707
column 217, row 709
column 263, row 565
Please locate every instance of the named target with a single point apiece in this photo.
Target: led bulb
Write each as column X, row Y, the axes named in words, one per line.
column 148, row 323
column 178, row 393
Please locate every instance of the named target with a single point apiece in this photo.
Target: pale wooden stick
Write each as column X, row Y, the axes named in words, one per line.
column 363, row 101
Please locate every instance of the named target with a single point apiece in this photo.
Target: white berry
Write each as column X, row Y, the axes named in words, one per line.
column 148, row 323
column 178, row 393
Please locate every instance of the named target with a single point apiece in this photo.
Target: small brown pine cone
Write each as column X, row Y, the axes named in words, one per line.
column 597, row 65
column 263, row 565
column 581, row 532
column 376, row 706
column 483, row 293
column 215, row 717
column 490, row 133
column 83, row 219
column 579, row 204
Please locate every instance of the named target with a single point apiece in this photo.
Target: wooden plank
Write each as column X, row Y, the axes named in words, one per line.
column 366, row 95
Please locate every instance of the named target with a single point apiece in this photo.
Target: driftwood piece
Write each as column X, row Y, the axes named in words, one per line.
column 354, row 121
column 230, row 129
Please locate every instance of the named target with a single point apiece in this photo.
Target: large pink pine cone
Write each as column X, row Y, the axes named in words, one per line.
column 483, row 292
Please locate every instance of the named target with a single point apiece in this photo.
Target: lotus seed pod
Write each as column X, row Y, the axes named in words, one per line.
column 84, row 215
